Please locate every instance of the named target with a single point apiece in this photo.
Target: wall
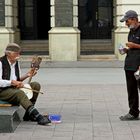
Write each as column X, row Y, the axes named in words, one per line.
column 121, row 31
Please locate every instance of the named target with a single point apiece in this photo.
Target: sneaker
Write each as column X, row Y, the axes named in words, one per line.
column 128, row 117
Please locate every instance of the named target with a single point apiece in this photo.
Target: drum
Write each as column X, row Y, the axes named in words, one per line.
column 27, row 90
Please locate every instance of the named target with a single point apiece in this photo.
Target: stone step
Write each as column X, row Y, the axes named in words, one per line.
column 97, row 44
column 10, row 118
column 87, row 47
column 34, row 47
column 96, row 47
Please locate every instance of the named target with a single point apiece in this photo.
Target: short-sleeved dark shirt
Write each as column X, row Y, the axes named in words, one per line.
column 132, row 60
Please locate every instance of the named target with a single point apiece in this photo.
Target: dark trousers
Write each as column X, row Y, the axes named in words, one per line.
column 133, row 96
column 17, row 97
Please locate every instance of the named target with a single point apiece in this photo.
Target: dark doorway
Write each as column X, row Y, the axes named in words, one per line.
column 34, row 19
column 95, row 19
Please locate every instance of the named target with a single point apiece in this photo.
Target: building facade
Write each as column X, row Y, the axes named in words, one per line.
column 65, row 30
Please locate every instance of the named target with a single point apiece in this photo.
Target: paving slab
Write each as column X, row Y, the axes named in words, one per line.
column 90, row 101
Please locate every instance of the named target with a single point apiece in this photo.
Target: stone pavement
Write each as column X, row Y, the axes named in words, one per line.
column 90, row 101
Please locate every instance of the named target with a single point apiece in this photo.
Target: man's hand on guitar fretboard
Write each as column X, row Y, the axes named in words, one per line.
column 35, row 65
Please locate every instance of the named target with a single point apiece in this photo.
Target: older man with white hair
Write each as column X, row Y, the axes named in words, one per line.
column 11, row 82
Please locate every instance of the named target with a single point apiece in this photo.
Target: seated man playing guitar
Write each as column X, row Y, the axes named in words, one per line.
column 11, row 83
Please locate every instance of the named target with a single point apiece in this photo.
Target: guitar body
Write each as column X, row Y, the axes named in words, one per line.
column 27, row 90
column 35, row 65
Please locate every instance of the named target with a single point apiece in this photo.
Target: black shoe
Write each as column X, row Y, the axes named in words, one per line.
column 128, row 117
column 43, row 120
column 26, row 117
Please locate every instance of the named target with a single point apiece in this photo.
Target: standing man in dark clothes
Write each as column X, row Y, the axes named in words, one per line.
column 132, row 63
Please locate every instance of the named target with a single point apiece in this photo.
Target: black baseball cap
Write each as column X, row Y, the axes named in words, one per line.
column 129, row 14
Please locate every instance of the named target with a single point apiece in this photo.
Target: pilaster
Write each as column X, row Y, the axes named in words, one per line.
column 64, row 37
column 121, row 31
column 8, row 22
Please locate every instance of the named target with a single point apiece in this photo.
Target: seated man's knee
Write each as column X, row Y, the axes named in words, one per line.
column 35, row 85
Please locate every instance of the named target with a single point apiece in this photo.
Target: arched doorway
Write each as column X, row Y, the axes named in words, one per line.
column 34, row 19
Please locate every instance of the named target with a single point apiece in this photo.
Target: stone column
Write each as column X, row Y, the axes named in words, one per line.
column 64, row 37
column 7, row 23
column 121, row 32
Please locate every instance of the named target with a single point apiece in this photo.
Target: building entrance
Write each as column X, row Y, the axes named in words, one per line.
column 34, row 19
column 96, row 24
column 95, row 19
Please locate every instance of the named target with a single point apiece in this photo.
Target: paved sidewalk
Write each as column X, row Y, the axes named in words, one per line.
column 90, row 101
